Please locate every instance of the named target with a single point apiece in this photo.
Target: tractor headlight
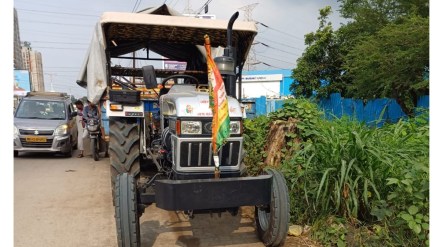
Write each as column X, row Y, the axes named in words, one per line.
column 191, row 127
column 61, row 130
column 235, row 127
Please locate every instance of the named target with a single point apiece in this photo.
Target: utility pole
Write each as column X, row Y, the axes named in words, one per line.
column 251, row 58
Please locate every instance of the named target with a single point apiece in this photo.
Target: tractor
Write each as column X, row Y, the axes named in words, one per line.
column 160, row 119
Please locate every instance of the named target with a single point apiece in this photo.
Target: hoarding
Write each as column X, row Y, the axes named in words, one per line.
column 22, row 82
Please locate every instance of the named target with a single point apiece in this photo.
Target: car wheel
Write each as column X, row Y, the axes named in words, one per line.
column 15, row 153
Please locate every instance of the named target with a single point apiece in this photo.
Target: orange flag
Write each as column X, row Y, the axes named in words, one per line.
column 218, row 103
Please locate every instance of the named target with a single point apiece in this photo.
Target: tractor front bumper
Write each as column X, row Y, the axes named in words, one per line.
column 198, row 194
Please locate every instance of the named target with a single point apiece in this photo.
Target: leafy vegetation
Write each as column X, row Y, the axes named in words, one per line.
column 382, row 51
column 355, row 184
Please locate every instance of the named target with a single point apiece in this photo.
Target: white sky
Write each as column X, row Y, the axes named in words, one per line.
column 62, row 29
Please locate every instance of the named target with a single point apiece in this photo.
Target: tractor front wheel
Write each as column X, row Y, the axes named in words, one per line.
column 273, row 220
column 124, row 149
column 126, row 211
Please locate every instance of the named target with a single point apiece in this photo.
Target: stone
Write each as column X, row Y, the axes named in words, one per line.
column 295, row 230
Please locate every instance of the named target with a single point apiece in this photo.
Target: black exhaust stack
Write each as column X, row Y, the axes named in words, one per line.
column 226, row 63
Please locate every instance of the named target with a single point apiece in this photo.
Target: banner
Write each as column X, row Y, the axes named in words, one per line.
column 217, row 101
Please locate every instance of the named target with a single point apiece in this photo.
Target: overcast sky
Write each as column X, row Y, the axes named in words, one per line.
column 62, row 29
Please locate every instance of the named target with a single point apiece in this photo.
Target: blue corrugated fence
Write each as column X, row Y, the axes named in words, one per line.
column 373, row 112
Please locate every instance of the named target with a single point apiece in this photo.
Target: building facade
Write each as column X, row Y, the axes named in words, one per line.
column 267, row 83
column 18, row 59
column 33, row 62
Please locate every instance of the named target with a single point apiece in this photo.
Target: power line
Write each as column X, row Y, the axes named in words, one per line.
column 59, row 13
column 136, row 5
column 56, row 23
column 288, row 34
column 272, row 65
column 61, row 48
column 279, row 60
column 279, row 54
column 54, row 34
column 49, row 5
column 57, row 42
column 203, row 6
column 268, row 46
column 283, row 44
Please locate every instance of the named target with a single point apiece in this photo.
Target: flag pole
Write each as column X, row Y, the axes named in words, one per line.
column 218, row 103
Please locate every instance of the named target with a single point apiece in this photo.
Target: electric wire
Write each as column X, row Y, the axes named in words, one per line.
column 276, row 59
column 271, row 28
column 52, row 12
column 56, row 23
column 271, row 47
column 203, row 6
column 279, row 43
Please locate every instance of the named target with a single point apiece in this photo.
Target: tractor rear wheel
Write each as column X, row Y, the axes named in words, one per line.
column 126, row 211
column 273, row 220
column 124, row 149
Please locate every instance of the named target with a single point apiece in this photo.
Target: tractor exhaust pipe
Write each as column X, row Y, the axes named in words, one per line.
column 230, row 52
column 226, row 63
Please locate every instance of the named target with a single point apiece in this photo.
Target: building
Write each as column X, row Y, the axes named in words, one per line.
column 32, row 61
column 18, row 59
column 267, row 83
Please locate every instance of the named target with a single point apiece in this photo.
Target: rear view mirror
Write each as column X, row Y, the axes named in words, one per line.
column 149, row 76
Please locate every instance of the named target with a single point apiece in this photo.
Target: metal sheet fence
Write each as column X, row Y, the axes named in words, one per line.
column 373, row 112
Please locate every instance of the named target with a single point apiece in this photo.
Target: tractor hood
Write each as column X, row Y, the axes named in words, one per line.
column 187, row 101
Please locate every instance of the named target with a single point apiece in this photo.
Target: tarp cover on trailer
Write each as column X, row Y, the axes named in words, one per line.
column 160, row 30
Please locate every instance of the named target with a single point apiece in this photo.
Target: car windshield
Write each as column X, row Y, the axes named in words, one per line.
column 41, row 109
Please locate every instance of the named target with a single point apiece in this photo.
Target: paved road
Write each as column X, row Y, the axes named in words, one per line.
column 67, row 202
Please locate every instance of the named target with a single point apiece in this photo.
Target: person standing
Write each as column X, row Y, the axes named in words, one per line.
column 80, row 125
column 90, row 111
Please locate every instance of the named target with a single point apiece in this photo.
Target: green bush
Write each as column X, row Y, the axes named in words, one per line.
column 375, row 178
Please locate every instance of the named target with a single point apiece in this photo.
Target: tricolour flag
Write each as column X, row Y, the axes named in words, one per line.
column 218, row 103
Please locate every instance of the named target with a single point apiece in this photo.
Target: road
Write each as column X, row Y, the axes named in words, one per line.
column 67, row 202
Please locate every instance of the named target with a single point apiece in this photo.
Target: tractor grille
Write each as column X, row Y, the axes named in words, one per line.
column 199, row 154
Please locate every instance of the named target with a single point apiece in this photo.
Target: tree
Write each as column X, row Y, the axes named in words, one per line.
column 392, row 63
column 321, row 62
column 383, row 51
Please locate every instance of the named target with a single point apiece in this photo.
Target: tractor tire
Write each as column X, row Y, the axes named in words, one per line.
column 126, row 212
column 124, row 149
column 273, row 221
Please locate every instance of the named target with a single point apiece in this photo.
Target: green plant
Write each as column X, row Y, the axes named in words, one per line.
column 368, row 174
column 255, row 132
column 373, row 181
column 301, row 109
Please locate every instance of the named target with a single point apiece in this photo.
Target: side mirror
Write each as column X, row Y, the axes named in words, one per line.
column 149, row 76
column 74, row 114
